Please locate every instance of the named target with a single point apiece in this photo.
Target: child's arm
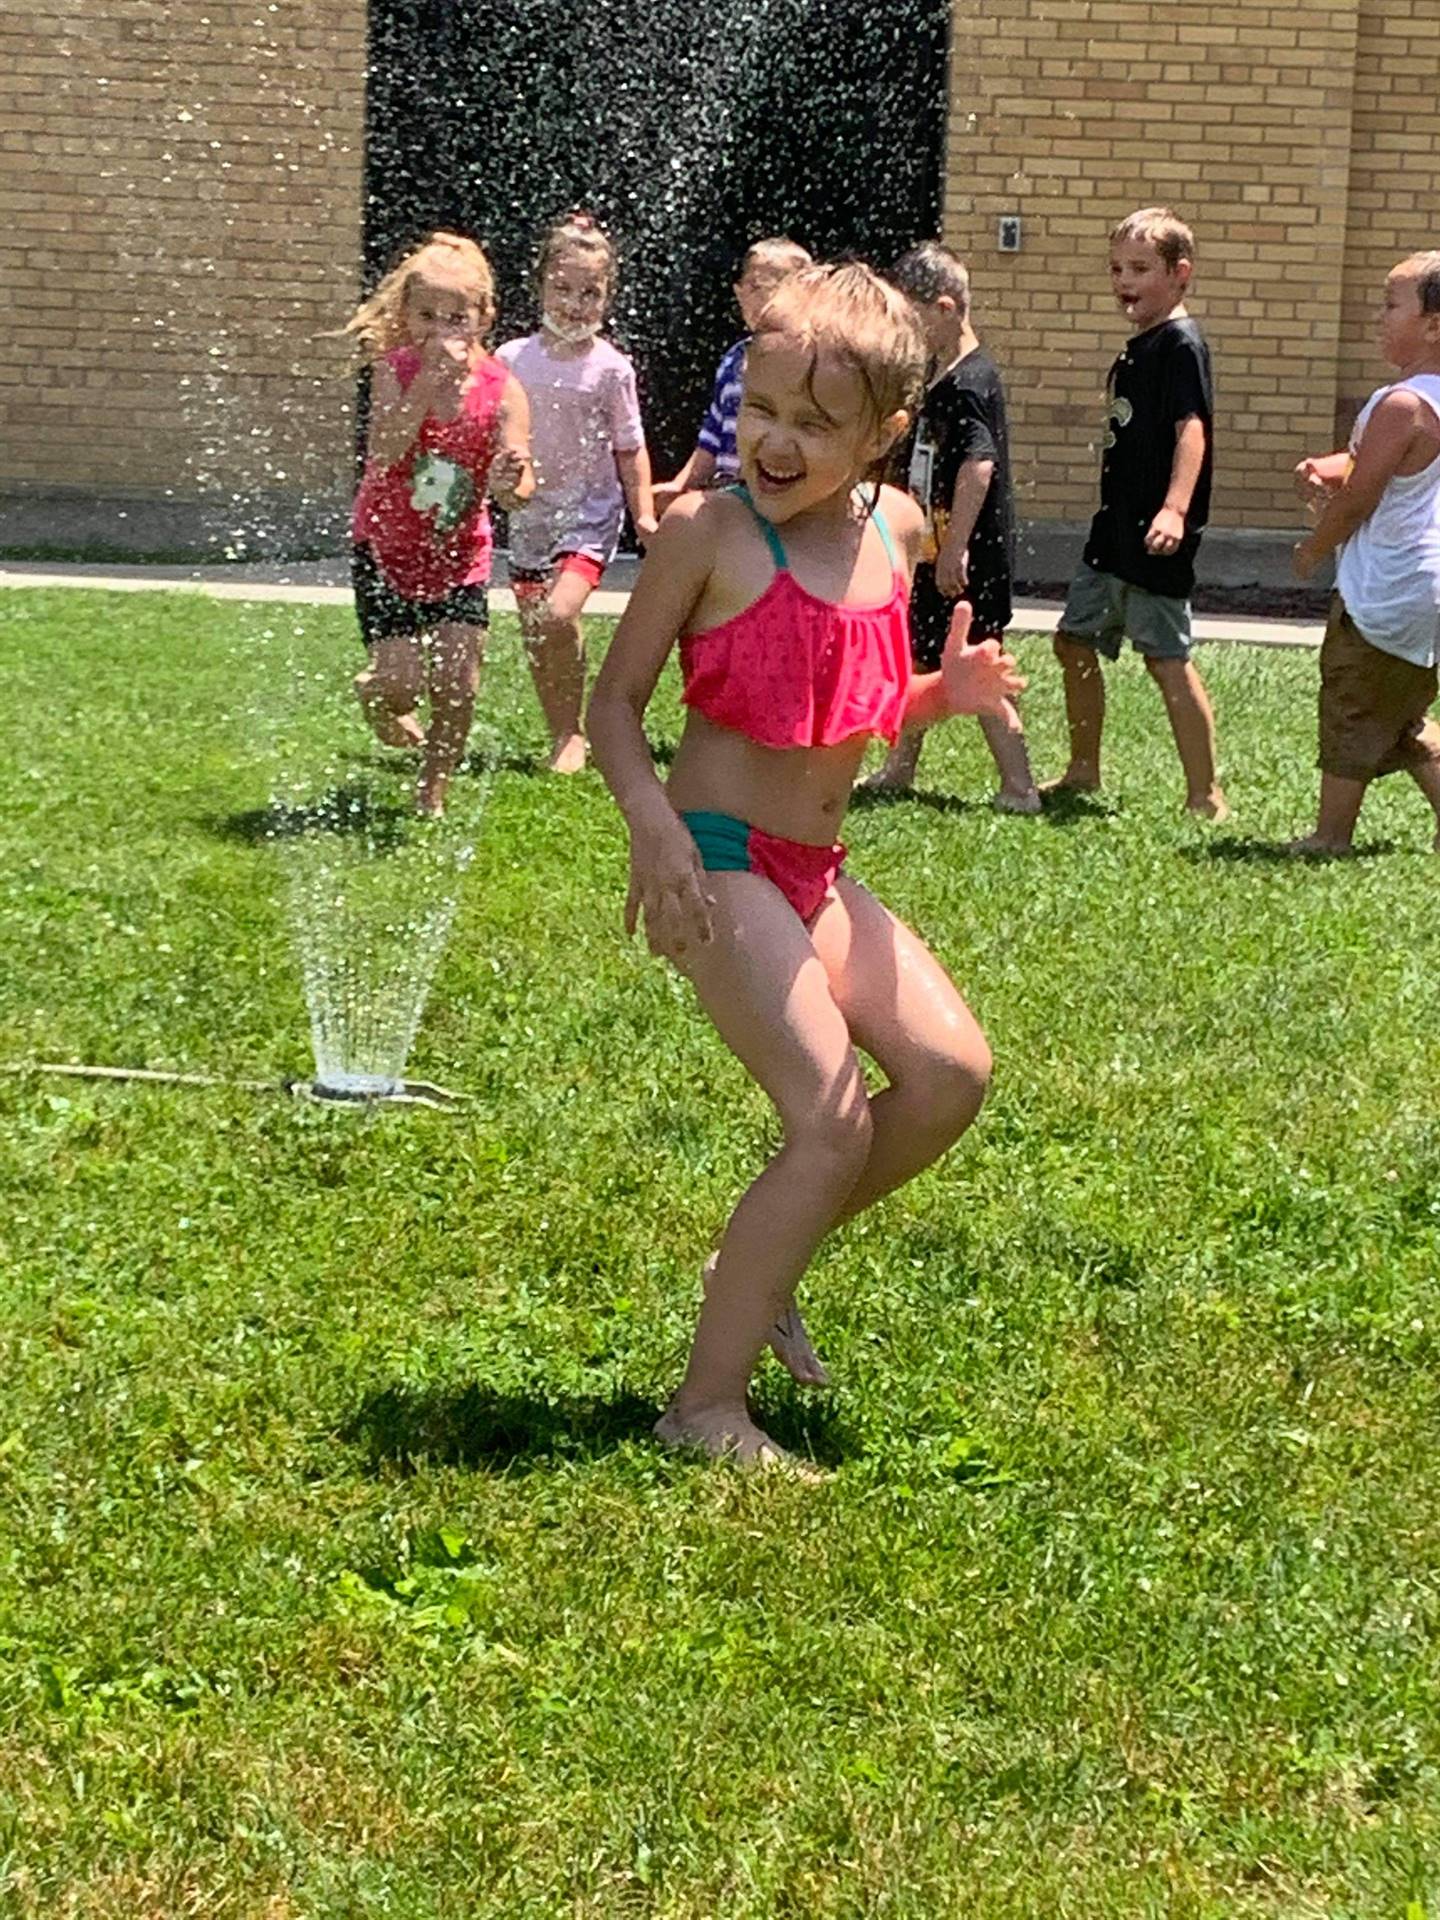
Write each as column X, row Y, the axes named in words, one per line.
column 972, row 484
column 667, row 881
column 975, row 679
column 634, row 466
column 1322, row 472
column 1167, row 529
column 978, row 679
column 512, row 478
column 396, row 415
column 1388, row 436
column 697, row 472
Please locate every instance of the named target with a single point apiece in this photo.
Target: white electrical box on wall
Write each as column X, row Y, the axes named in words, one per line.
column 1009, row 233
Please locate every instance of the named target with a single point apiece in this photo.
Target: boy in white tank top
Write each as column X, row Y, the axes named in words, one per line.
column 1378, row 502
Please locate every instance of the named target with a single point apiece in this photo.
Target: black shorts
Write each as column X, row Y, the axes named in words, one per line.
column 384, row 612
column 930, row 613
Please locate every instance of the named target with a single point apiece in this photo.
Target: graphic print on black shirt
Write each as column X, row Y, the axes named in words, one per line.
column 963, row 418
column 1162, row 378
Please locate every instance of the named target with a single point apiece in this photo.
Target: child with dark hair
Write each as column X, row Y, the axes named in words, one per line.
column 957, row 465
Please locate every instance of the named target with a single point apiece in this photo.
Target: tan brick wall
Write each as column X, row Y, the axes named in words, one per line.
column 180, row 208
column 180, row 198
column 1073, row 112
column 1394, row 173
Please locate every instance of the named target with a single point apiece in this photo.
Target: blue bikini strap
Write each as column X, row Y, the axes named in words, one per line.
column 772, row 538
column 882, row 529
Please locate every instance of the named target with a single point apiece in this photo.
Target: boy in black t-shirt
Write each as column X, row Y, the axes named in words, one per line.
column 1138, row 568
column 957, row 465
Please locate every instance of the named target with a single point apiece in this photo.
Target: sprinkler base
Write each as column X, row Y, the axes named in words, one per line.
column 365, row 1089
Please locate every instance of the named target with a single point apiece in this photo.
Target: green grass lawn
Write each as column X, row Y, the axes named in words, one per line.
column 338, row 1574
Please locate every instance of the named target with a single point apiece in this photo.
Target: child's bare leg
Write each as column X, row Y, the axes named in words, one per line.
column 1084, row 713
column 767, row 993
column 1426, row 775
column 1193, row 726
column 454, row 681
column 555, row 645
column 389, row 690
column 904, row 1010
column 1340, row 800
column 898, row 773
column 1005, row 736
column 789, row 1341
column 901, row 1006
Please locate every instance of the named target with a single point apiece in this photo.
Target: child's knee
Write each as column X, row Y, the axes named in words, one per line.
column 836, row 1138
column 945, row 1086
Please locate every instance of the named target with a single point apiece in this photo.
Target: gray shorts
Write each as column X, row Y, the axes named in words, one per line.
column 1100, row 610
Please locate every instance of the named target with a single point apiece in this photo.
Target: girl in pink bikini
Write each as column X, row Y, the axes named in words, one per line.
column 789, row 598
column 447, row 421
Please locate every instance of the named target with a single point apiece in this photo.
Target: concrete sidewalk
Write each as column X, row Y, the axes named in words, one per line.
column 327, row 583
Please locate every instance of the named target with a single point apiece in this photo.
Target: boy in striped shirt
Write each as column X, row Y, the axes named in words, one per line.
column 714, row 462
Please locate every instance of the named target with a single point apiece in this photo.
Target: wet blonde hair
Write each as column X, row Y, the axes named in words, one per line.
column 868, row 325
column 378, row 324
column 1159, row 228
column 778, row 251
column 578, row 232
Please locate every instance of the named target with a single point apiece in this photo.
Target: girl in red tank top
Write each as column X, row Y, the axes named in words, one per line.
column 447, row 422
column 789, row 599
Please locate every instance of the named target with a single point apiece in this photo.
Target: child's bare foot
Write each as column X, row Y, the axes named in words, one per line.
column 1316, row 846
column 884, row 780
column 569, row 754
column 430, row 798
column 1017, row 800
column 391, row 729
column 726, row 1433
column 1073, row 780
column 789, row 1342
column 1211, row 806
column 395, row 729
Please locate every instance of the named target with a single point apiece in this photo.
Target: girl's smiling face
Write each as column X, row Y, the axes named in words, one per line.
column 807, row 430
column 443, row 309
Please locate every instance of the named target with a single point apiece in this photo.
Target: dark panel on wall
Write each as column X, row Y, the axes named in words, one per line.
column 688, row 127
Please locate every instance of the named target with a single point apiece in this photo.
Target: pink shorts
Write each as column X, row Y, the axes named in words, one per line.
column 533, row 583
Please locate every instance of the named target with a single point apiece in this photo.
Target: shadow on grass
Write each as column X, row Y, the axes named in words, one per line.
column 1062, row 809
column 877, row 799
column 347, row 812
column 1242, row 850
column 498, row 1432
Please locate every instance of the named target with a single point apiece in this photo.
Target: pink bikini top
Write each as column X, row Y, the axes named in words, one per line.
column 793, row 670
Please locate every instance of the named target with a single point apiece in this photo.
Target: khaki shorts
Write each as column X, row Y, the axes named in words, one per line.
column 1373, row 705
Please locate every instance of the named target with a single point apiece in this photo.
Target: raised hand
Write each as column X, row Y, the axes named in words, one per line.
column 507, row 470
column 979, row 678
